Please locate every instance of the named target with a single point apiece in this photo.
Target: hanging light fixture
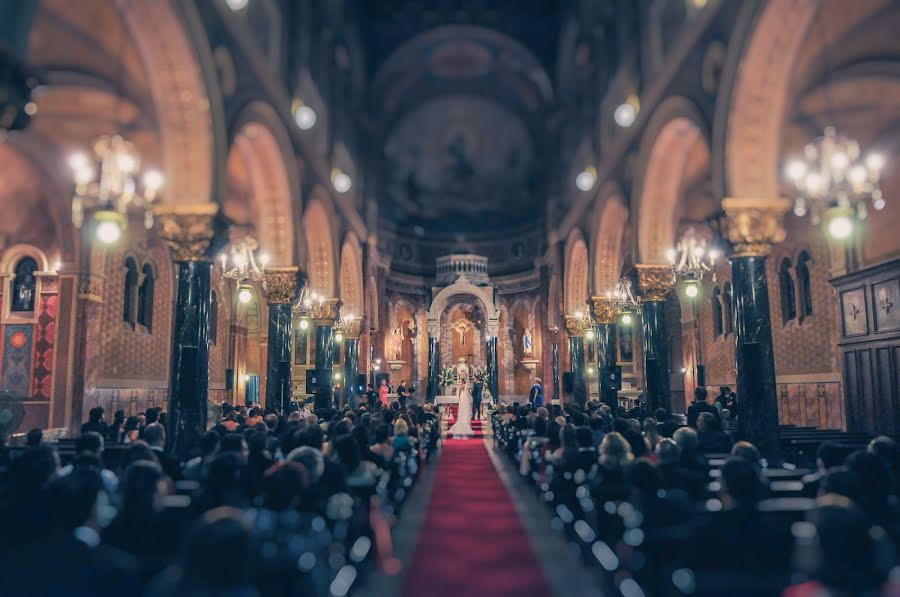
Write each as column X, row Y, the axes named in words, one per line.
column 586, row 179
column 624, row 300
column 835, row 183
column 691, row 259
column 341, row 180
column 304, row 115
column 307, row 299
column 243, row 266
column 106, row 185
column 626, row 113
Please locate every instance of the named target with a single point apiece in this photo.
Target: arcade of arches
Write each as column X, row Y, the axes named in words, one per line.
column 446, row 163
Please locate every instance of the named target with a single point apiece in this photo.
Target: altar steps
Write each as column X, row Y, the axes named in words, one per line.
column 449, row 419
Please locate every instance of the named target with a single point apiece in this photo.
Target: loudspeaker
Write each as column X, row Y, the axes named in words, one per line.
column 361, row 383
column 701, row 376
column 612, row 378
column 568, row 382
column 229, row 379
column 312, row 381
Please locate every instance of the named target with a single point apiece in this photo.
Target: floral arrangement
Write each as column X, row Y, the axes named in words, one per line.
column 479, row 373
column 448, row 377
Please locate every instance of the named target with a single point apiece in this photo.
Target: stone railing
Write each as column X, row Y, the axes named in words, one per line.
column 473, row 267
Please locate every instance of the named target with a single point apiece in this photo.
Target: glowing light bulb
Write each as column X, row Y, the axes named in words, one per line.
column 339, row 337
column 341, row 181
column 305, row 117
column 840, row 227
column 626, row 319
column 625, row 114
column 670, row 255
column 245, row 295
column 586, row 179
column 795, row 170
column 264, row 259
column 839, row 160
column 590, row 334
column 875, row 161
column 109, row 232
column 304, row 324
column 237, row 5
column 858, row 175
column 78, row 161
column 691, row 290
column 153, row 181
column 245, row 377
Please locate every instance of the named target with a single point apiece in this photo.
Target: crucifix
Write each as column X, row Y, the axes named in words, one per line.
column 462, row 326
column 854, row 311
column 885, row 303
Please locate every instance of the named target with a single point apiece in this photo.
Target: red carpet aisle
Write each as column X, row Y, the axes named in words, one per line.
column 472, row 542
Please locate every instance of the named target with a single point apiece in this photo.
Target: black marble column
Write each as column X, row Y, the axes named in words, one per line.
column 434, row 367
column 493, row 378
column 656, row 355
column 606, row 358
column 278, row 381
column 554, row 352
column 351, row 368
column 190, row 357
column 324, row 396
column 576, row 363
column 756, row 390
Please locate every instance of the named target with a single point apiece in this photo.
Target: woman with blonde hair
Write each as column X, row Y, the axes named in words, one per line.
column 609, row 480
column 402, row 441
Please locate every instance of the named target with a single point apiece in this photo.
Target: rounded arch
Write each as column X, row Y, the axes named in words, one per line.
column 15, row 253
column 320, row 247
column 261, row 180
column 675, row 140
column 351, row 284
column 608, row 236
column 483, row 294
column 576, row 291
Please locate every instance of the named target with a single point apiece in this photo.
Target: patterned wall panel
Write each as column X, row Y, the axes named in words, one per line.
column 44, row 347
column 17, row 346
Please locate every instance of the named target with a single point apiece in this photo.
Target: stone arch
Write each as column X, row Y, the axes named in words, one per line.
column 320, row 248
column 351, row 286
column 262, row 152
column 609, row 234
column 483, row 294
column 674, row 136
column 576, row 292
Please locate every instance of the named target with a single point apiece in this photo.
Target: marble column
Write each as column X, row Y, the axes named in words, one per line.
column 324, row 316
column 280, row 288
column 188, row 231
column 493, row 378
column 351, row 331
column 605, row 320
column 434, row 364
column 655, row 282
column 577, row 328
column 554, row 352
column 754, row 226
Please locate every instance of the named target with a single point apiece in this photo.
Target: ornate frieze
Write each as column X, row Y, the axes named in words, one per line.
column 655, row 282
column 187, row 229
column 280, row 285
column 605, row 310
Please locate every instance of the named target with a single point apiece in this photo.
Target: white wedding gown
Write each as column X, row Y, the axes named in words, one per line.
column 463, row 425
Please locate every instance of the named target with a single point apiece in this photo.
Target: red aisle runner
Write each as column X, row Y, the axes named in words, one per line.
column 472, row 542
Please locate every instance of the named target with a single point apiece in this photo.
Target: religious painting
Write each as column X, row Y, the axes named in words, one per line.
column 854, row 320
column 301, row 342
column 886, row 304
column 626, row 343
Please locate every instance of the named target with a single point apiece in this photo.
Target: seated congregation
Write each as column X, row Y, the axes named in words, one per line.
column 262, row 504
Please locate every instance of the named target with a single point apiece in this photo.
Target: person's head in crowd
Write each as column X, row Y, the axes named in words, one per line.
column 741, row 484
column 553, row 438
column 746, row 451
column 542, row 412
column 139, row 450
column 700, row 394
column 72, row 499
column 347, row 453
column 34, row 438
column 96, row 414
column 235, row 443
column 578, row 419
column 660, row 414
column 30, row 471
column 219, row 536
column 724, row 390
column 401, row 428
column 847, row 555
column 284, row 484
column 668, row 451
column 828, row 455
column 840, row 480
column 225, row 472
column 132, row 424
column 875, row 481
column 90, row 441
column 686, row 438
column 643, row 477
column 209, row 442
column 707, row 423
column 885, row 448
column 142, row 420
column 382, row 434
column 620, row 425
column 311, row 458
column 567, row 437
column 596, row 422
column 119, row 417
column 155, row 435
column 615, row 450
column 143, row 487
column 152, row 415
column 583, row 437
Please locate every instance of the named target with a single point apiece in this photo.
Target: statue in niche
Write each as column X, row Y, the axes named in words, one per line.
column 397, row 343
column 527, row 345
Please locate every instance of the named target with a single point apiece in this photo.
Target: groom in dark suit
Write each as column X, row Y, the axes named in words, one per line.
column 477, row 389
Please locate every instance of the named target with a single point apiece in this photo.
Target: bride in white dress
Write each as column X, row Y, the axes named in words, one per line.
column 463, row 426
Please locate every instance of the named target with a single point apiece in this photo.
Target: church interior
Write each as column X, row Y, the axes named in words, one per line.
column 450, row 297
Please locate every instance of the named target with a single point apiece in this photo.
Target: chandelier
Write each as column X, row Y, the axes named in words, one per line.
column 347, row 323
column 624, row 300
column 307, row 300
column 243, row 266
column 106, row 185
column 691, row 259
column 835, row 182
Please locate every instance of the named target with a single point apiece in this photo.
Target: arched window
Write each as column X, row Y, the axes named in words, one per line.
column 24, row 287
column 129, row 298
column 804, row 288
column 716, row 311
column 214, row 317
column 788, row 296
column 727, row 309
column 145, row 297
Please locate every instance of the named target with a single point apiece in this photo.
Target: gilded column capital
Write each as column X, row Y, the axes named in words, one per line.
column 187, row 229
column 90, row 288
column 605, row 309
column 577, row 326
column 350, row 328
column 280, row 284
column 754, row 226
column 326, row 312
column 655, row 282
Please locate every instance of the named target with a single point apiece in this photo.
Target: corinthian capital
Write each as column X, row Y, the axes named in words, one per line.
column 280, row 285
column 187, row 229
column 577, row 326
column 655, row 282
column 326, row 312
column 755, row 225
column 604, row 309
